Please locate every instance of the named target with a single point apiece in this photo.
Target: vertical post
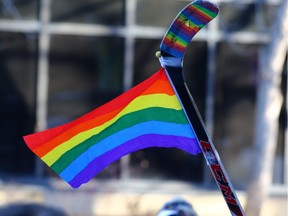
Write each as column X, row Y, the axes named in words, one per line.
column 210, row 84
column 42, row 75
column 269, row 103
column 285, row 167
column 286, row 144
column 259, row 16
column 210, row 87
column 130, row 7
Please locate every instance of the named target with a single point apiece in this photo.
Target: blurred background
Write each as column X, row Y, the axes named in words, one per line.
column 60, row 59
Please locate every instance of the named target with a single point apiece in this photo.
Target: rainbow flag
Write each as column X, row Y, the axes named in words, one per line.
column 148, row 115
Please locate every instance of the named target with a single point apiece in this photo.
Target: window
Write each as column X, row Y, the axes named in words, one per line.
column 93, row 50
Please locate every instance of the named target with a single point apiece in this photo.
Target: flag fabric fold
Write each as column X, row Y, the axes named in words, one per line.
column 148, row 115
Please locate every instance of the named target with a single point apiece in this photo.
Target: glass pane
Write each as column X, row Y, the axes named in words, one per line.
column 82, row 76
column 160, row 162
column 88, row 11
column 195, row 67
column 269, row 14
column 237, row 17
column 146, row 62
column 17, row 101
column 243, row 17
column 235, row 107
column 157, row 12
column 85, row 72
column 19, row 9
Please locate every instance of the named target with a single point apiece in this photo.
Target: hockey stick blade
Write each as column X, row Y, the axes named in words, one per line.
column 186, row 25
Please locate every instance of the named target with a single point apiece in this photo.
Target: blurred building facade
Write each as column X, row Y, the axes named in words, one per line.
column 60, row 59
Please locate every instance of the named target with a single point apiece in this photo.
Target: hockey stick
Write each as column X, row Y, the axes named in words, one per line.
column 188, row 22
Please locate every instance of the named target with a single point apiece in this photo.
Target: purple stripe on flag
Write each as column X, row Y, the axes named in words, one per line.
column 152, row 140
